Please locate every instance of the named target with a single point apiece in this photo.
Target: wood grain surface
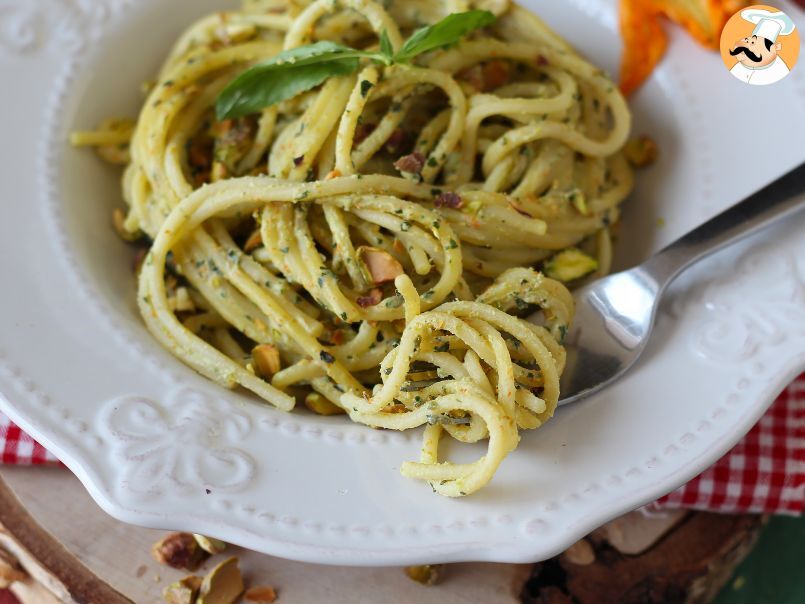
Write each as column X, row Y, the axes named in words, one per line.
column 85, row 556
column 47, row 561
column 85, row 544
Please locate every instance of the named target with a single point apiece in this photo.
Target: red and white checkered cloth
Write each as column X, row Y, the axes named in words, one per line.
column 17, row 448
column 763, row 473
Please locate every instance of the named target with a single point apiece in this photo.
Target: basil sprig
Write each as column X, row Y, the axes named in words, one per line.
column 299, row 69
column 447, row 31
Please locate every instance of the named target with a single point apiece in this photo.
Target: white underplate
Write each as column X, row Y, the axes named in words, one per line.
column 157, row 445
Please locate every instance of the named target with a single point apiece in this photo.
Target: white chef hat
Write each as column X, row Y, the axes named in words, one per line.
column 769, row 25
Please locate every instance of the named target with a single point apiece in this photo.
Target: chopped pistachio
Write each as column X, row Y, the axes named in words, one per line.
column 570, row 264
column 262, row 594
column 640, row 151
column 210, row 545
column 427, row 574
column 179, row 550
column 184, row 591
column 579, row 202
column 321, row 406
column 223, row 584
column 266, row 360
column 380, row 265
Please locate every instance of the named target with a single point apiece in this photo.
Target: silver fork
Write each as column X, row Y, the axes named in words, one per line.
column 615, row 315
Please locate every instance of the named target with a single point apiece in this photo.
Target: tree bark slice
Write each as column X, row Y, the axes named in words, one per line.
column 688, row 565
column 51, row 568
column 683, row 559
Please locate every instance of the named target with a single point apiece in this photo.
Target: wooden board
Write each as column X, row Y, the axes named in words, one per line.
column 45, row 570
column 119, row 555
column 86, row 556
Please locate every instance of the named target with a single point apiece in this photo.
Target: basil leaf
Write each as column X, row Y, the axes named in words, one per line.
column 309, row 53
column 284, row 76
column 257, row 89
column 447, row 31
column 299, row 69
column 385, row 46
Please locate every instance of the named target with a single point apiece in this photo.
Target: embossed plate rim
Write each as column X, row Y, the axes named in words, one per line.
column 482, row 528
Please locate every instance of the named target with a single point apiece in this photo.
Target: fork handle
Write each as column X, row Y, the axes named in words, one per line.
column 772, row 203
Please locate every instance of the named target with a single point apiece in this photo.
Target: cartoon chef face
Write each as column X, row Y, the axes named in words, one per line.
column 757, row 55
column 755, row 51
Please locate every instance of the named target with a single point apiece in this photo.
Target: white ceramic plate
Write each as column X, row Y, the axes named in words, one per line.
column 157, row 445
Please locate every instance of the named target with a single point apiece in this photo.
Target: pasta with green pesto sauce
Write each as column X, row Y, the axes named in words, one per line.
column 372, row 246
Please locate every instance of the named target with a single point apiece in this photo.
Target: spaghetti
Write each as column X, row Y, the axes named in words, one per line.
column 370, row 246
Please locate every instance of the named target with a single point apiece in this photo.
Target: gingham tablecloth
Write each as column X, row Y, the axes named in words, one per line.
column 763, row 473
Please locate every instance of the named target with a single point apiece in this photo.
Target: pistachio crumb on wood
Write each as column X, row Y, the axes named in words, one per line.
column 179, row 550
column 223, row 584
column 184, row 591
column 261, row 594
column 427, row 574
column 210, row 545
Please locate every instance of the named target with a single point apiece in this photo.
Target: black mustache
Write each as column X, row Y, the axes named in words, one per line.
column 743, row 49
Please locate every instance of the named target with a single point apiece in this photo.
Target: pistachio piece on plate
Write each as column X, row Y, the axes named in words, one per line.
column 266, row 360
column 640, row 151
column 570, row 264
column 381, row 265
column 321, row 406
